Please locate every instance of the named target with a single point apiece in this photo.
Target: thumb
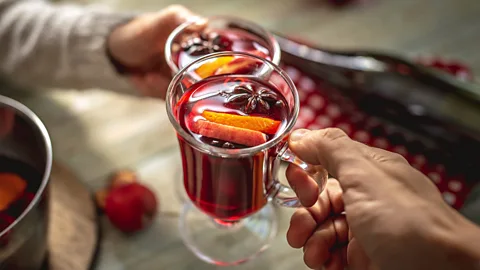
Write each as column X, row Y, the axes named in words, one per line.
column 329, row 147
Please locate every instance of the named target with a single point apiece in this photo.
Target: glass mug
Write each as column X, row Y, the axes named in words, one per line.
column 243, row 34
column 228, row 218
column 194, row 39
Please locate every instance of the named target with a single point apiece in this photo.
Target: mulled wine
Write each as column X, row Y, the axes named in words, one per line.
column 198, row 44
column 18, row 184
column 193, row 40
column 231, row 112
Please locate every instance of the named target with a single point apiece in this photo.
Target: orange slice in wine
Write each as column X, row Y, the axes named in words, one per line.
column 262, row 124
column 209, row 68
column 12, row 187
column 238, row 66
column 228, row 133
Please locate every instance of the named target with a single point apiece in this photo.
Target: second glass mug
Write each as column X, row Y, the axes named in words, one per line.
column 204, row 32
column 228, row 219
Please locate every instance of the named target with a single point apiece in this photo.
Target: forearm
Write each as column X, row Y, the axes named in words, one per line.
column 42, row 45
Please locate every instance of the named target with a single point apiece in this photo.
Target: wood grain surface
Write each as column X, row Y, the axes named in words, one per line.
column 96, row 132
column 73, row 225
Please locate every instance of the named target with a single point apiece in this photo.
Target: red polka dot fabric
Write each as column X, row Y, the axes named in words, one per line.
column 323, row 106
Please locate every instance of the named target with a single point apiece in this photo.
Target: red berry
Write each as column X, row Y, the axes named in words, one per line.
column 131, row 207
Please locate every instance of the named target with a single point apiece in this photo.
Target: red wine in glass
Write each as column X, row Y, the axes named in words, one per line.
column 233, row 113
column 195, row 39
column 216, row 111
column 199, row 44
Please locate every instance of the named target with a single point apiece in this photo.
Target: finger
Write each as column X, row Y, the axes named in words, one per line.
column 172, row 16
column 335, row 193
column 325, row 147
column 304, row 221
column 332, row 148
column 356, row 257
column 302, row 225
column 317, row 250
column 329, row 202
column 335, row 262
column 303, row 185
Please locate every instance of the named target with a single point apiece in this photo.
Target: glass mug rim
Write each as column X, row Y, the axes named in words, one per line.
column 35, row 120
column 275, row 54
column 223, row 152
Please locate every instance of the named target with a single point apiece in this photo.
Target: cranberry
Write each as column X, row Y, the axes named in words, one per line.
column 131, row 207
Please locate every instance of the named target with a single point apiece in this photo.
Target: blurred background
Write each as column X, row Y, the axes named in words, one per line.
column 449, row 29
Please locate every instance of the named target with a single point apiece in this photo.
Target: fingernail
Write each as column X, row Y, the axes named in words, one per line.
column 298, row 134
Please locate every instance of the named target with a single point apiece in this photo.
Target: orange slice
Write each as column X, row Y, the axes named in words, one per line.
column 262, row 124
column 228, row 133
column 209, row 68
column 12, row 187
column 237, row 66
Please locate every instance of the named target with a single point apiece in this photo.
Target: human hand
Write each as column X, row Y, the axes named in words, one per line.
column 394, row 217
column 139, row 46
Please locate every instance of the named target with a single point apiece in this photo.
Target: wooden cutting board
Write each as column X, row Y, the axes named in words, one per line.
column 74, row 230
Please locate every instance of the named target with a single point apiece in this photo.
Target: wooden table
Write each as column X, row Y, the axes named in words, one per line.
column 97, row 132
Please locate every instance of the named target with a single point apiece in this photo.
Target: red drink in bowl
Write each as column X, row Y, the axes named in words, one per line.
column 233, row 113
column 193, row 40
column 25, row 164
column 18, row 185
column 230, row 112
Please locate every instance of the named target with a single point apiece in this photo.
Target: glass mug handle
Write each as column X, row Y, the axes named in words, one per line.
column 285, row 195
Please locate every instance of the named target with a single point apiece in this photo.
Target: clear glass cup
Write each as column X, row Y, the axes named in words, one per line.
column 228, row 218
column 216, row 34
column 242, row 30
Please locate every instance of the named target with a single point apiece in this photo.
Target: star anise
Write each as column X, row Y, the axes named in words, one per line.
column 204, row 43
column 251, row 96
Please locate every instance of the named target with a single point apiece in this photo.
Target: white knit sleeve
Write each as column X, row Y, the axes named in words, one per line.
column 61, row 46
